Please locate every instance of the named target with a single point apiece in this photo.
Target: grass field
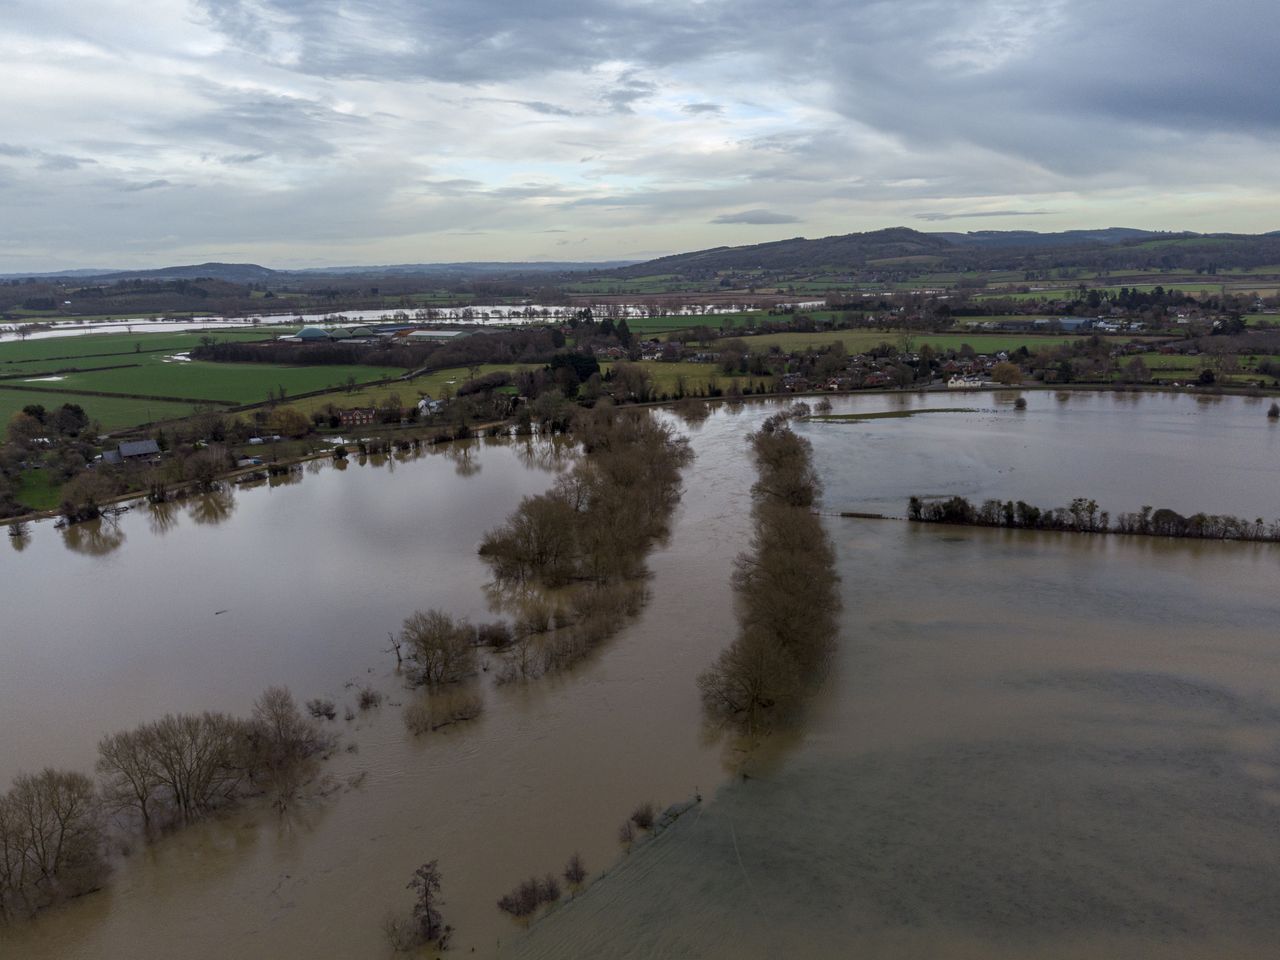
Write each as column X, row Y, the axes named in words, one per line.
column 29, row 352
column 1069, row 291
column 113, row 412
column 226, row 382
column 856, row 341
column 36, row 491
column 432, row 384
column 697, row 376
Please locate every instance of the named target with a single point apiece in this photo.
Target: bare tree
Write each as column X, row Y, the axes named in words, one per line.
column 440, row 647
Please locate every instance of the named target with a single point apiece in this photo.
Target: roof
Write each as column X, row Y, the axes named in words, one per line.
column 139, row 448
column 312, row 333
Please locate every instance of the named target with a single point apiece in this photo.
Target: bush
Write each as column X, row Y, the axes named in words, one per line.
column 369, row 698
column 575, row 871
column 322, row 709
column 642, row 816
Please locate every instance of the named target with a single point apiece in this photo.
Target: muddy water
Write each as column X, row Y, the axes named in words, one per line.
column 1009, row 710
column 1031, row 745
column 311, row 576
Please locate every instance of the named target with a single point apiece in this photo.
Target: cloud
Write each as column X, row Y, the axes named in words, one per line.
column 626, row 92
column 756, row 217
column 147, row 185
column 935, row 215
column 309, row 129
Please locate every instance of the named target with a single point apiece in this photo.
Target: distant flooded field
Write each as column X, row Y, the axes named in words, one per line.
column 1029, row 745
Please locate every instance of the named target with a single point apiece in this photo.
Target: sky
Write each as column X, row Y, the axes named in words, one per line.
column 302, row 133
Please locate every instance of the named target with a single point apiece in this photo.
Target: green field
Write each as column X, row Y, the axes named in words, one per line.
column 857, row 341
column 432, row 384
column 36, row 491
column 697, row 376
column 1069, row 291
column 221, row 382
column 113, row 412
column 107, row 344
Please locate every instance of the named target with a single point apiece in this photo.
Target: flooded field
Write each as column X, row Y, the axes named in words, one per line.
column 1030, row 744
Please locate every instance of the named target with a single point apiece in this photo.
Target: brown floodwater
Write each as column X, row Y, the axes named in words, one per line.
column 1029, row 743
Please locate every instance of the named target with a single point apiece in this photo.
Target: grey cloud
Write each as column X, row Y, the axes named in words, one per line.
column 629, row 90
column 756, row 217
column 237, row 159
column 464, row 40
column 935, row 216
column 702, row 108
column 141, row 185
column 264, row 122
column 549, row 109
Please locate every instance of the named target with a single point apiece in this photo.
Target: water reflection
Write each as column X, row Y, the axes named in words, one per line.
column 551, row 455
column 214, row 507
column 463, row 455
column 162, row 516
column 19, row 536
column 95, row 538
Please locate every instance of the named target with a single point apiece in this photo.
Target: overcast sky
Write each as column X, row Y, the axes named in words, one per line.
column 313, row 132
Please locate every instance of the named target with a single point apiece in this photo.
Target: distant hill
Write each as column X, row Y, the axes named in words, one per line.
column 902, row 247
column 849, row 250
column 253, row 273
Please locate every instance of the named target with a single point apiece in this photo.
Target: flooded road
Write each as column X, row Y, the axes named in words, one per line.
column 1030, row 744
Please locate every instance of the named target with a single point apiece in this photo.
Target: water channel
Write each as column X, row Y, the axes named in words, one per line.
column 1030, row 744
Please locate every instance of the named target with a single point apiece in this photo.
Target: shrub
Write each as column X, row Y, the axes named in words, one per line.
column 642, row 816
column 322, row 709
column 369, row 698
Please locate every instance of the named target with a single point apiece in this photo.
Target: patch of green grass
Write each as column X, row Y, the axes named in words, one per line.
column 858, row 341
column 228, row 382
column 697, row 377
column 36, row 490
column 113, row 413
column 93, row 344
column 433, row 384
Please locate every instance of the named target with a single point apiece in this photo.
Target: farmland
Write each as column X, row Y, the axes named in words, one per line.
column 143, row 383
column 15, row 352
column 856, row 341
column 114, row 413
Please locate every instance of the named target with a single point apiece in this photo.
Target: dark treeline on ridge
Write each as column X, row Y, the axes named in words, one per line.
column 786, row 588
column 1084, row 516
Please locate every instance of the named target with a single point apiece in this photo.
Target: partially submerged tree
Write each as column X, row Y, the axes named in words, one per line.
column 441, row 650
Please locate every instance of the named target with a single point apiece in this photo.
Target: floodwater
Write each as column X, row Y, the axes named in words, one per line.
column 1030, row 744
column 475, row 314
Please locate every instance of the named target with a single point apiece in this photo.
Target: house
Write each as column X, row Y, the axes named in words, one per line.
column 427, row 406
column 131, row 451
column 358, row 417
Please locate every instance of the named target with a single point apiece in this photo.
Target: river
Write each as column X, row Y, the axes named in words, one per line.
column 1030, row 744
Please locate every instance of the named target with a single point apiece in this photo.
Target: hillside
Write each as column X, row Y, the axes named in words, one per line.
column 898, row 247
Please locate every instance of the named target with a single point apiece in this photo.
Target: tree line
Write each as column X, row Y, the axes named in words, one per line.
column 55, row 825
column 786, row 587
column 1084, row 516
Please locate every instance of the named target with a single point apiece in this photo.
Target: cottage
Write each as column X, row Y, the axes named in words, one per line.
column 132, row 450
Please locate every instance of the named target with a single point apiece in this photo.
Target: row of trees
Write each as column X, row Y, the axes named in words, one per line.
column 54, row 825
column 1084, row 516
column 786, row 587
